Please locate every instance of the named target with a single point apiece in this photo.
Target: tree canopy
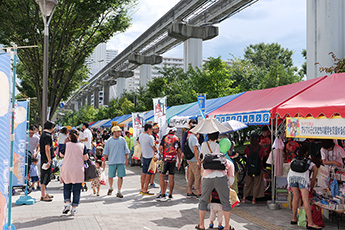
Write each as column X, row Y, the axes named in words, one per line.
column 77, row 27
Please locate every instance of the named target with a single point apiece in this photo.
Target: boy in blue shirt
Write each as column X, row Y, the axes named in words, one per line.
column 34, row 174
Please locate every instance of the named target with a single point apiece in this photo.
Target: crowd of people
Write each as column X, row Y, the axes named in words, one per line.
column 163, row 155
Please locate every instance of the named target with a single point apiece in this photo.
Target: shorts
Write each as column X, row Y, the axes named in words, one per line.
column 169, row 166
column 119, row 168
column 35, row 178
column 146, row 165
column 297, row 185
column 45, row 175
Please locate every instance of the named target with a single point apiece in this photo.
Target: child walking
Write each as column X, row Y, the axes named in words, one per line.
column 34, row 174
column 96, row 183
column 216, row 210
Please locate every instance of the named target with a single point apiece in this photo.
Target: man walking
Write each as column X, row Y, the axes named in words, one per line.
column 170, row 148
column 194, row 174
column 46, row 149
column 149, row 150
column 116, row 150
column 87, row 137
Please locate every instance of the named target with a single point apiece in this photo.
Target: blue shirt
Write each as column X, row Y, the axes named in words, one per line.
column 33, row 170
column 116, row 150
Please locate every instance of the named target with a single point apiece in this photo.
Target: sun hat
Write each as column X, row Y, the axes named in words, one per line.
column 171, row 129
column 115, row 128
column 209, row 125
column 155, row 126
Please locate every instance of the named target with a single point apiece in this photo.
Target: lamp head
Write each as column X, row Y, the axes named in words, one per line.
column 47, row 6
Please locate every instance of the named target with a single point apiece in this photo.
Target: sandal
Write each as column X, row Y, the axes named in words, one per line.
column 47, row 199
column 243, row 201
column 231, row 228
column 198, row 227
column 315, row 227
column 253, row 201
column 49, row 196
column 293, row 222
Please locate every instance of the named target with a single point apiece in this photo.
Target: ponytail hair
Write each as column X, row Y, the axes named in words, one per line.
column 74, row 135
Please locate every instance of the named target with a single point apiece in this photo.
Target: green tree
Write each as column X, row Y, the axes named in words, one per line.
column 338, row 67
column 77, row 27
column 303, row 71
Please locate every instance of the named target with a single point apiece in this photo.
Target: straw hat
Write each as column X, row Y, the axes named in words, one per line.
column 116, row 128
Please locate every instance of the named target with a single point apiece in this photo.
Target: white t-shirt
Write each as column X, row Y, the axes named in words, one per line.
column 87, row 134
column 213, row 145
column 146, row 143
column 337, row 154
column 62, row 138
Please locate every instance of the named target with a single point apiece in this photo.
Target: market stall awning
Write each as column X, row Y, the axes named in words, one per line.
column 117, row 119
column 100, row 123
column 95, row 123
column 173, row 110
column 325, row 98
column 128, row 120
column 211, row 104
column 257, row 107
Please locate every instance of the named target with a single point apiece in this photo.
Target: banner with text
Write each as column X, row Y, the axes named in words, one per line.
column 202, row 104
column 138, row 124
column 159, row 112
column 20, row 132
column 330, row 128
column 5, row 118
column 252, row 118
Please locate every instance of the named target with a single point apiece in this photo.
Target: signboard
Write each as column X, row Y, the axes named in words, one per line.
column 61, row 105
column 253, row 118
column 159, row 112
column 202, row 104
column 138, row 124
column 113, row 123
column 19, row 151
column 330, row 128
column 179, row 122
column 5, row 118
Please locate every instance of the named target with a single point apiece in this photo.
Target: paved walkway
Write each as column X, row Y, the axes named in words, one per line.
column 137, row 212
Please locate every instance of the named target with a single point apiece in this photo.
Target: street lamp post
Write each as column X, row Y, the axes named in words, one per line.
column 47, row 8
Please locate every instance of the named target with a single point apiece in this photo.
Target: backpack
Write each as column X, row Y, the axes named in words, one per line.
column 214, row 161
column 188, row 153
column 300, row 165
column 254, row 163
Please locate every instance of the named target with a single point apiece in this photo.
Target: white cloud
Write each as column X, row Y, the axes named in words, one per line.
column 282, row 21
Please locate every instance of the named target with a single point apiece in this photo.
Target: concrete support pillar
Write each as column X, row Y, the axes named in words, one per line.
column 106, row 93
column 121, row 86
column 325, row 34
column 89, row 95
column 192, row 37
column 75, row 105
column 192, row 53
column 145, row 74
column 96, row 98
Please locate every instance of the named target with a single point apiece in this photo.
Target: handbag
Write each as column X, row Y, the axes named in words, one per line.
column 90, row 171
column 317, row 215
column 214, row 161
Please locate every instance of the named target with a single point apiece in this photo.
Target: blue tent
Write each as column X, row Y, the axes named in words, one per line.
column 193, row 112
column 117, row 119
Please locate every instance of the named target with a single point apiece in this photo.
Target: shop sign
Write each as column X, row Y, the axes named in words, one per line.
column 253, row 118
column 331, row 128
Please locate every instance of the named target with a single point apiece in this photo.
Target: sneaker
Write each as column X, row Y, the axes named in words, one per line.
column 220, row 227
column 147, row 193
column 110, row 191
column 210, row 226
column 119, row 195
column 191, row 195
column 153, row 186
column 33, row 189
column 66, row 209
column 162, row 198
column 38, row 188
column 73, row 211
column 170, row 196
column 198, row 196
column 159, row 195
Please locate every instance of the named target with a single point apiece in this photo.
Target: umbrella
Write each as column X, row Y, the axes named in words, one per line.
column 210, row 125
column 234, row 125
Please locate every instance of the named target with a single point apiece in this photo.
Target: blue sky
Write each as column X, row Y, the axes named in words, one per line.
column 282, row 21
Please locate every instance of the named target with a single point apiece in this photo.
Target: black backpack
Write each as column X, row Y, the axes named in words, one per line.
column 254, row 163
column 188, row 153
column 214, row 161
column 300, row 165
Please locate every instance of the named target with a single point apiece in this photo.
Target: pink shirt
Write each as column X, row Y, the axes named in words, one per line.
column 72, row 170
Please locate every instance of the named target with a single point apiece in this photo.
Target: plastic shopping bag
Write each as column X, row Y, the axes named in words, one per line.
column 233, row 198
column 302, row 218
column 137, row 152
column 152, row 167
column 103, row 178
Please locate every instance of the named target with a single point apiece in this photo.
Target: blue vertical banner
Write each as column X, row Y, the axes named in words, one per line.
column 202, row 104
column 5, row 118
column 19, row 151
